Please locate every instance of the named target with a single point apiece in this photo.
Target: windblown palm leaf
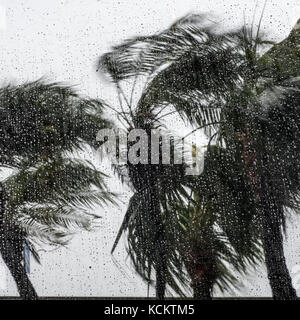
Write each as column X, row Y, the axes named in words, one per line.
column 39, row 120
column 56, row 194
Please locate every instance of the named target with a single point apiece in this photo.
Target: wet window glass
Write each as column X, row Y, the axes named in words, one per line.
column 149, row 149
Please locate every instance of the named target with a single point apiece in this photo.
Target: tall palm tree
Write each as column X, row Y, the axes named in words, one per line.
column 153, row 186
column 150, row 220
column 45, row 196
column 218, row 82
column 185, row 241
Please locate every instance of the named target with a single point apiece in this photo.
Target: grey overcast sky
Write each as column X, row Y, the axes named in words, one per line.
column 62, row 40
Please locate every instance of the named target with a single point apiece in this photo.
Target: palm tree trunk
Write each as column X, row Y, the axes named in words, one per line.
column 144, row 180
column 202, row 290
column 160, row 241
column 278, row 273
column 160, row 280
column 271, row 216
column 11, row 249
column 202, row 271
column 17, row 270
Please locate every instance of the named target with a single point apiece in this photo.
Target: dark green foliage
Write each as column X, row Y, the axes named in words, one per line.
column 247, row 103
column 39, row 120
column 46, row 195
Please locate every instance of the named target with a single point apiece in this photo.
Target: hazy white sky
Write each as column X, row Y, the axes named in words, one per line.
column 62, row 40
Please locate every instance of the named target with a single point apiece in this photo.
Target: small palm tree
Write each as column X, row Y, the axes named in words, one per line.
column 218, row 236
column 221, row 82
column 45, row 196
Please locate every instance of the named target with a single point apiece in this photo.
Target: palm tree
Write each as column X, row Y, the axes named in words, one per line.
column 153, row 186
column 218, row 237
column 218, row 82
column 236, row 245
column 150, row 220
column 45, row 196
